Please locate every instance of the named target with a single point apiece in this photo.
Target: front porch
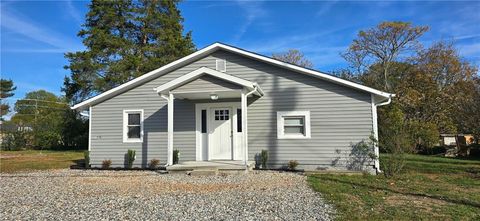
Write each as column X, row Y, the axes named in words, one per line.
column 221, row 130
column 211, row 167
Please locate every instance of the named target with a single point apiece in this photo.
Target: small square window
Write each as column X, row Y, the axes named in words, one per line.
column 293, row 124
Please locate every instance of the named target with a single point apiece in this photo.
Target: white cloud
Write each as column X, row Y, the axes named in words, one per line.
column 72, row 11
column 253, row 11
column 16, row 23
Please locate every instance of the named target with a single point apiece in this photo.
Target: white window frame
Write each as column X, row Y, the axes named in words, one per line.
column 224, row 68
column 281, row 124
column 125, row 126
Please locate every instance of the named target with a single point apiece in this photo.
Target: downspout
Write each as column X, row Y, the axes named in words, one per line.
column 245, row 115
column 378, row 105
column 386, row 102
column 166, row 98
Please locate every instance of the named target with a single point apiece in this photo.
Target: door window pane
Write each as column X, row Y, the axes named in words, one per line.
column 239, row 120
column 204, row 121
column 222, row 114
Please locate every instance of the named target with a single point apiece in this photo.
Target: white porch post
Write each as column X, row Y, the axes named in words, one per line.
column 244, row 125
column 170, row 129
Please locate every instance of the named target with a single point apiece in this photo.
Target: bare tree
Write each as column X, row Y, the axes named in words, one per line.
column 383, row 44
column 294, row 56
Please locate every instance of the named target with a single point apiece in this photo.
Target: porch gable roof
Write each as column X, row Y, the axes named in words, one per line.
column 167, row 87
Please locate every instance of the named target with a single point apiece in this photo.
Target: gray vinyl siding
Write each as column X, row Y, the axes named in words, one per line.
column 207, row 83
column 340, row 116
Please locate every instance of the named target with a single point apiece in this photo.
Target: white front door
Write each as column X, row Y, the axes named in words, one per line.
column 220, row 140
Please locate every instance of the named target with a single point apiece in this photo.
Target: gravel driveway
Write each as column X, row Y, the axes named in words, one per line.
column 147, row 195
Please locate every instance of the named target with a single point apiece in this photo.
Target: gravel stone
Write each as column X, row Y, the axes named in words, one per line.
column 148, row 195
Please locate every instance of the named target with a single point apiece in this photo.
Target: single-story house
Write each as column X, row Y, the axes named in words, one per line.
column 226, row 103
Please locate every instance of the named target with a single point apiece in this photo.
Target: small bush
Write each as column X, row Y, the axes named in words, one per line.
column 292, row 164
column 130, row 158
column 176, row 156
column 86, row 156
column 153, row 164
column 264, row 158
column 106, row 164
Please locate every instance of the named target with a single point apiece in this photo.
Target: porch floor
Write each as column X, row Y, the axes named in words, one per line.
column 220, row 165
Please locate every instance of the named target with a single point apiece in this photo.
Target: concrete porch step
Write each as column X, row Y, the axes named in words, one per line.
column 210, row 165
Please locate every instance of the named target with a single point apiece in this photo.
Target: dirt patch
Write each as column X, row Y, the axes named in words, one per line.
column 7, row 156
column 425, row 203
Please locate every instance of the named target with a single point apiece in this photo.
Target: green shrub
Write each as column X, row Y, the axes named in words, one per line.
column 176, row 156
column 106, row 164
column 130, row 158
column 394, row 139
column 292, row 164
column 86, row 156
column 424, row 134
column 153, row 163
column 264, row 158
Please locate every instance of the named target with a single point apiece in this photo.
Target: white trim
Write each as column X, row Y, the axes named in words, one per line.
column 280, row 124
column 170, row 122
column 201, row 71
column 224, row 69
column 198, row 126
column 244, row 104
column 375, row 133
column 89, row 128
column 200, row 91
column 214, row 47
column 125, row 124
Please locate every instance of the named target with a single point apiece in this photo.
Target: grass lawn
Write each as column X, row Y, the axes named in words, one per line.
column 431, row 188
column 14, row 161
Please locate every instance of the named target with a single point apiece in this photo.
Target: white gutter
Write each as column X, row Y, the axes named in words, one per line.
column 386, row 102
column 377, row 161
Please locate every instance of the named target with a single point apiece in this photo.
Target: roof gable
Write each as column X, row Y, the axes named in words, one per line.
column 210, row 49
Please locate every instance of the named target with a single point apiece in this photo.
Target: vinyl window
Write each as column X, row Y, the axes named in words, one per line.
column 132, row 126
column 293, row 124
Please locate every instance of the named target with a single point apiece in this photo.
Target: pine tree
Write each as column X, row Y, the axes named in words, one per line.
column 124, row 39
column 6, row 91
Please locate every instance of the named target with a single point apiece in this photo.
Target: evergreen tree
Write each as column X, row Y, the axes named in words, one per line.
column 124, row 40
column 6, row 91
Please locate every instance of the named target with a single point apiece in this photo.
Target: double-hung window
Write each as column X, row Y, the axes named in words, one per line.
column 293, row 124
column 132, row 126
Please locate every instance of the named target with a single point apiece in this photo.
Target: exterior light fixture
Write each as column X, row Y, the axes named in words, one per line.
column 214, row 96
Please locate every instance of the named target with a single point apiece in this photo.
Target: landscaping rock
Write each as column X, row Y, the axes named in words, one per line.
column 148, row 195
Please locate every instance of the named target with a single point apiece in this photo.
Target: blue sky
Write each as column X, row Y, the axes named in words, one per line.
column 35, row 34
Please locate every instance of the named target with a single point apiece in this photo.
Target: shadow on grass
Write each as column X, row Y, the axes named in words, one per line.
column 446, row 199
column 444, row 160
